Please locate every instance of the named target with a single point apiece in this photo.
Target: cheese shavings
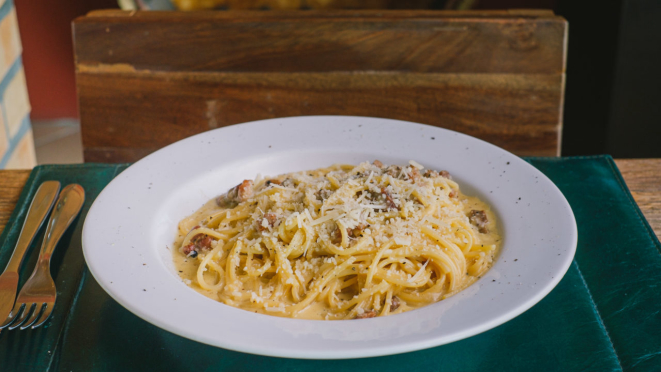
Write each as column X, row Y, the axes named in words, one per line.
column 418, row 274
column 416, row 164
column 343, row 242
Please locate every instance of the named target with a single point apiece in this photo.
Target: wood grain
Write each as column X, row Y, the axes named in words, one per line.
column 146, row 80
column 302, row 4
column 316, row 41
column 192, row 103
column 643, row 177
column 11, row 185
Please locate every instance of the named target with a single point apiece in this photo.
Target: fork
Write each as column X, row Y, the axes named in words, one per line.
column 36, row 300
column 41, row 205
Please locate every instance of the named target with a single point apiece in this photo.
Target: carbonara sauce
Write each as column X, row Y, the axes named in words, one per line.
column 342, row 242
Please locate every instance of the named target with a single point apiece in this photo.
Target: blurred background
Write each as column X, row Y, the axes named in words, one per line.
column 613, row 86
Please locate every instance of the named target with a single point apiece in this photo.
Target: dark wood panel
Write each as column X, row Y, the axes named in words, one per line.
column 125, row 111
column 148, row 79
column 318, row 41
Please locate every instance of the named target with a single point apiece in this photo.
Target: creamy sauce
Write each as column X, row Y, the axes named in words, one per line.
column 317, row 310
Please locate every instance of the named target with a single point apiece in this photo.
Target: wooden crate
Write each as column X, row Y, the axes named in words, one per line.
column 148, row 79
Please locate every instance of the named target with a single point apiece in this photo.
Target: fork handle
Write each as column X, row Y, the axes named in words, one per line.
column 39, row 208
column 67, row 208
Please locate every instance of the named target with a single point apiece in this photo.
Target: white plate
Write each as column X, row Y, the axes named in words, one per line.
column 132, row 224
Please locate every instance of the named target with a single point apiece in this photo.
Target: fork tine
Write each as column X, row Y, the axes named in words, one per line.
column 23, row 316
column 35, row 315
column 16, row 311
column 45, row 315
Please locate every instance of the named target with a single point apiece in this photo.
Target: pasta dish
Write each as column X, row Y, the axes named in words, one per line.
column 343, row 242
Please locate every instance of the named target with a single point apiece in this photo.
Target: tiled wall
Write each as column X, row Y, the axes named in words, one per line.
column 16, row 143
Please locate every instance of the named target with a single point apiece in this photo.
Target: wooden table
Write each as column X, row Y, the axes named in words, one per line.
column 643, row 176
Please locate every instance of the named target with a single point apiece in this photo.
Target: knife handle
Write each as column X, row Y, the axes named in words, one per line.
column 41, row 204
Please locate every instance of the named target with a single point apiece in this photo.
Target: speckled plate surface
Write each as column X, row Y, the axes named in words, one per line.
column 131, row 225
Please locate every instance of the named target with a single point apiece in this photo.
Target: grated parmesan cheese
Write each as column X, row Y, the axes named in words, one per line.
column 403, row 240
column 369, row 209
column 416, row 164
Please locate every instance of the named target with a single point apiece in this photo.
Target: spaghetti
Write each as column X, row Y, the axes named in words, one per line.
column 343, row 242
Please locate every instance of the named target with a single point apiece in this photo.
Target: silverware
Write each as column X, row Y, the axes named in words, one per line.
column 37, row 297
column 41, row 204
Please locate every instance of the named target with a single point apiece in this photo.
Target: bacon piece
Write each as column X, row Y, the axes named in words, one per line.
column 378, row 163
column 269, row 182
column 270, row 221
column 390, row 202
column 479, row 219
column 188, row 249
column 414, row 174
column 356, row 231
column 202, row 241
column 236, row 195
column 433, row 174
column 336, row 235
column 394, row 304
column 197, row 243
column 430, row 173
column 365, row 315
column 453, row 194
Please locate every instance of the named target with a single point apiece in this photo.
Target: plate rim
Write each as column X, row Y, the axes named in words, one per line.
column 359, row 353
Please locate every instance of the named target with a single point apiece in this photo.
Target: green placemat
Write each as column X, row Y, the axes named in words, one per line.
column 604, row 315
